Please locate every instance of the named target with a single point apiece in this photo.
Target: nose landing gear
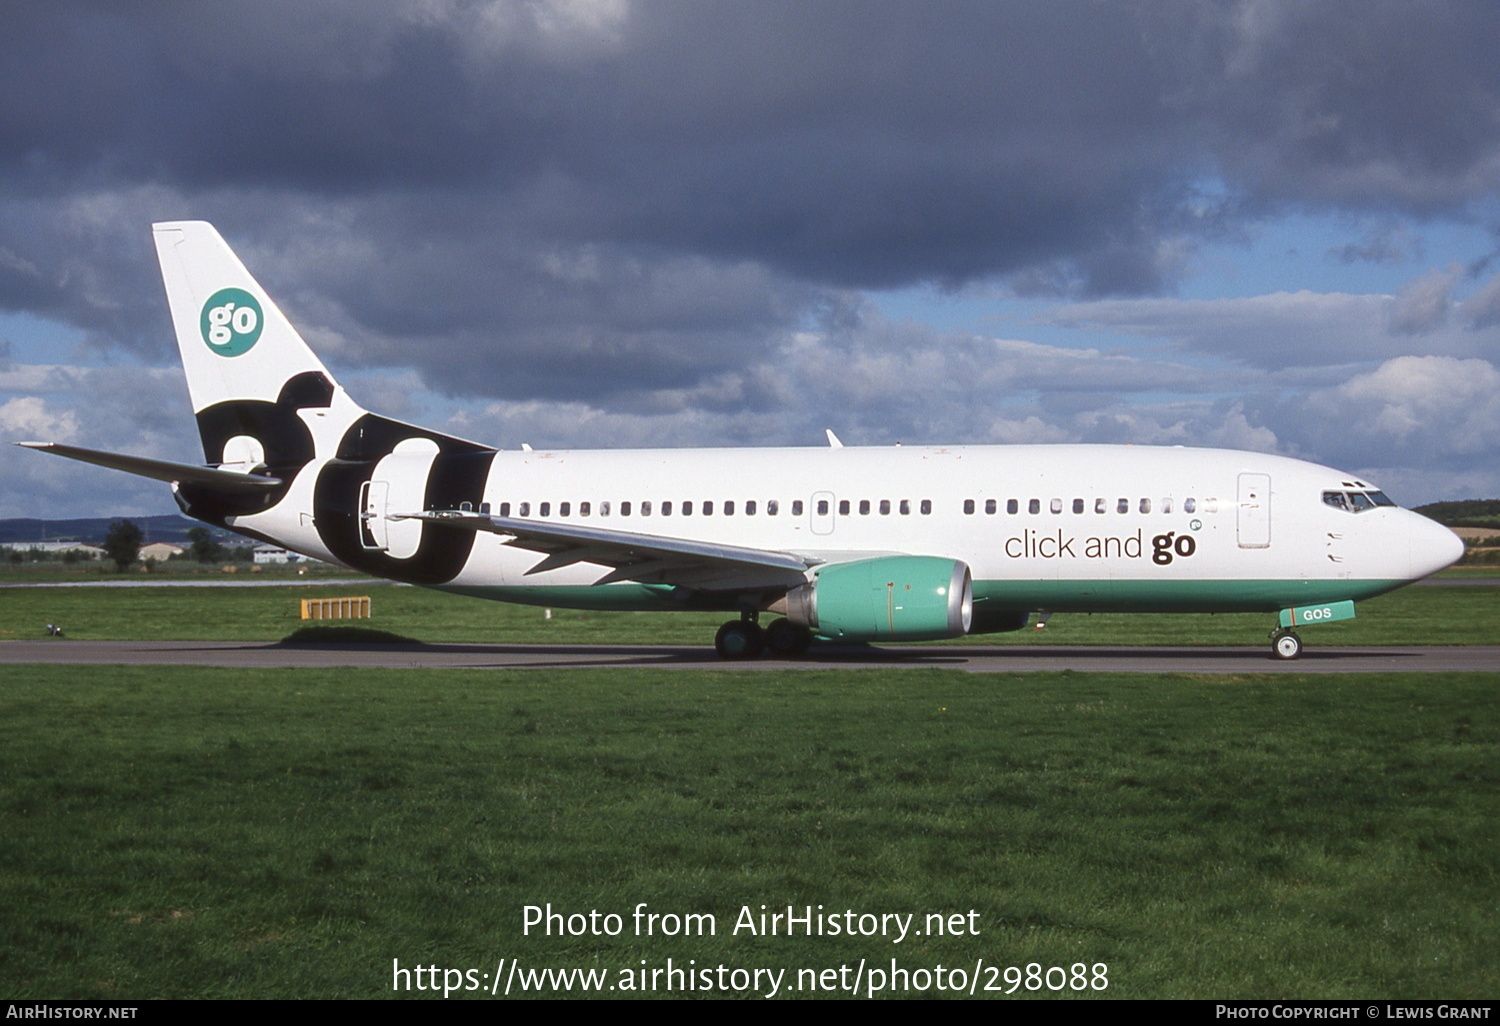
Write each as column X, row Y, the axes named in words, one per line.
column 1285, row 644
column 1284, row 641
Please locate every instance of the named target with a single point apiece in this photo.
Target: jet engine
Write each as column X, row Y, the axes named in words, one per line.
column 890, row 598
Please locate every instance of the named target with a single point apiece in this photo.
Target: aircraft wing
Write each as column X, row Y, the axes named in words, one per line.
column 648, row 559
column 160, row 470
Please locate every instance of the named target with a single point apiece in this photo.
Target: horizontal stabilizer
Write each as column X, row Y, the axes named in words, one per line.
column 649, row 559
column 160, row 470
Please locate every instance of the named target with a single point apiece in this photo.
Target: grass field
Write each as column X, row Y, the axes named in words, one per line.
column 213, row 833
column 1411, row 616
column 216, row 833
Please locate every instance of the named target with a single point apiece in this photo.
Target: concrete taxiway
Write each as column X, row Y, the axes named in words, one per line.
column 973, row 659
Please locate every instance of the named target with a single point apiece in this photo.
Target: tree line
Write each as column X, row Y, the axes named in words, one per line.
column 123, row 542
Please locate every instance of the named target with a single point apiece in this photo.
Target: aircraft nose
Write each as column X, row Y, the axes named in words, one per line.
column 1433, row 546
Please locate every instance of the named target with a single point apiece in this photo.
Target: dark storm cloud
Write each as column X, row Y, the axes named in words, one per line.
column 862, row 143
column 1385, row 103
column 597, row 199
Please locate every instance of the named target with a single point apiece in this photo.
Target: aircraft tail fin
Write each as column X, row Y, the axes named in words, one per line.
column 235, row 342
column 248, row 370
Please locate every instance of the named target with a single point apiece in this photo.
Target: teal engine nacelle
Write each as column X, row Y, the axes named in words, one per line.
column 892, row 598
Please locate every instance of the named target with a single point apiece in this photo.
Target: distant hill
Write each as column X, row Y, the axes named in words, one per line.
column 168, row 528
column 1464, row 513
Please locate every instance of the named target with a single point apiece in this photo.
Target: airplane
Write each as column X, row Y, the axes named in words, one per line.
column 856, row 544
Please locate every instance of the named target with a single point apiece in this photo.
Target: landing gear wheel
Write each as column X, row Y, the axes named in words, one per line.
column 1286, row 645
column 786, row 640
column 739, row 639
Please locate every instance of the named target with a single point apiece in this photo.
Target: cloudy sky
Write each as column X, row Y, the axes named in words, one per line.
column 1262, row 224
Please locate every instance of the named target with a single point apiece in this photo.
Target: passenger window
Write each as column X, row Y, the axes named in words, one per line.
column 796, row 507
column 906, row 507
column 729, row 507
column 1145, row 505
column 1190, row 505
column 646, row 508
column 885, row 507
column 525, row 509
column 625, row 508
column 822, row 507
column 484, row 508
column 708, row 507
column 546, row 509
column 583, row 509
column 1012, row 506
column 604, row 508
column 749, row 507
column 1122, row 506
column 1101, row 506
column 1034, row 506
column 990, row 506
column 773, row 507
column 687, row 508
column 1166, row 505
column 1055, row 506
column 564, row 509
column 666, row 508
column 843, row 507
column 926, row 507
column 1077, row 505
column 968, row 505
column 864, row 507
column 505, row 509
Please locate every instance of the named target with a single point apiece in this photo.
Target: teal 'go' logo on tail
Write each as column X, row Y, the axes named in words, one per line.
column 231, row 322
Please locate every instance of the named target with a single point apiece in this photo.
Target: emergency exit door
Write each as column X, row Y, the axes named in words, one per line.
column 372, row 524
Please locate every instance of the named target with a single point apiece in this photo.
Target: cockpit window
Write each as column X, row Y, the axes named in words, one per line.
column 1356, row 502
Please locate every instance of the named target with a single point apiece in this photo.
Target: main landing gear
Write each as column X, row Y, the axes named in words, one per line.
column 1285, row 644
column 740, row 639
column 745, row 639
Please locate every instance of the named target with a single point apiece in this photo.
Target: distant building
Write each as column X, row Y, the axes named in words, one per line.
column 160, row 551
column 276, row 554
column 84, row 550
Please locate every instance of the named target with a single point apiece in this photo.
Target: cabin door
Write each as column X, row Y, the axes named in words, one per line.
column 1255, row 511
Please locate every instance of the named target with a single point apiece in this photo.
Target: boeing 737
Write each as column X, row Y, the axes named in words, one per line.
column 838, row 543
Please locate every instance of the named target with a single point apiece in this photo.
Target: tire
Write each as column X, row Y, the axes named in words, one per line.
column 786, row 640
column 739, row 639
column 1286, row 646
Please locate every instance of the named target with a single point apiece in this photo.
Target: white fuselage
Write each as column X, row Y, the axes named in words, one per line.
column 1066, row 527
